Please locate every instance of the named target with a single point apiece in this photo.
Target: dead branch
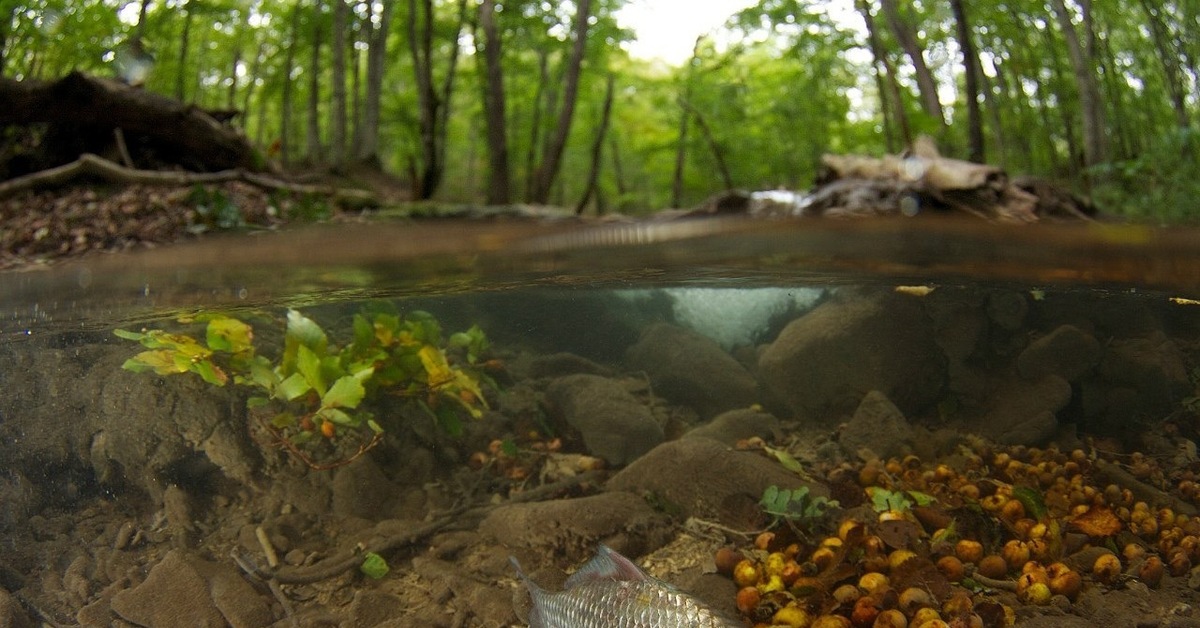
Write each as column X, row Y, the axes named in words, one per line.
column 96, row 166
column 351, row 558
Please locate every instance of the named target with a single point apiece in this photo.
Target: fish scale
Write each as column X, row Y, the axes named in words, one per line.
column 611, row 592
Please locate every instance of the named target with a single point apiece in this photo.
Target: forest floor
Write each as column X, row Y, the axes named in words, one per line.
column 41, row 227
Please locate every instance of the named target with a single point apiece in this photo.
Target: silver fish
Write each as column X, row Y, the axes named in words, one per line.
column 612, row 592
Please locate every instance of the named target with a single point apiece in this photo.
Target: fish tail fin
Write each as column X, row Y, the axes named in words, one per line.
column 535, row 594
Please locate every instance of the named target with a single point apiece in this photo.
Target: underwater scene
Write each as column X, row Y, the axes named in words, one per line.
column 687, row 423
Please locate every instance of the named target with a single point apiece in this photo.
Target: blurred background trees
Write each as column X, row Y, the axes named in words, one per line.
column 506, row 101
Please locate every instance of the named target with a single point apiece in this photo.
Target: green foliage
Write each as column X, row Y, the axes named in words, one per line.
column 374, row 566
column 214, row 210
column 315, row 387
column 1032, row 500
column 795, row 505
column 1161, row 184
column 310, row 208
column 884, row 500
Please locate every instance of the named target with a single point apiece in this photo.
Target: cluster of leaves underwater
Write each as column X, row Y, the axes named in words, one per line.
column 314, row 392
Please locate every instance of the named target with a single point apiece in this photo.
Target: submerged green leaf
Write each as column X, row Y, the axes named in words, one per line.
column 346, row 392
column 229, row 334
column 374, row 566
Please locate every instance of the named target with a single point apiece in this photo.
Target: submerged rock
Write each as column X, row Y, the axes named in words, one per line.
column 614, row 425
column 823, row 362
column 185, row 590
column 699, row 477
column 730, row 427
column 1068, row 352
column 1139, row 379
column 877, row 426
column 11, row 613
column 692, row 370
column 573, row 527
column 1023, row 412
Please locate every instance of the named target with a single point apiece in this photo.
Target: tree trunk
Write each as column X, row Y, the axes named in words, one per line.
column 975, row 150
column 557, row 142
column 447, row 97
column 494, row 108
column 685, row 121
column 886, row 76
column 356, row 84
column 368, row 149
column 231, row 95
column 255, row 70
column 181, row 72
column 926, row 85
column 597, row 147
column 1095, row 143
column 1168, row 57
column 618, row 171
column 313, row 130
column 289, row 63
column 337, row 123
column 717, row 151
column 420, row 44
column 535, row 122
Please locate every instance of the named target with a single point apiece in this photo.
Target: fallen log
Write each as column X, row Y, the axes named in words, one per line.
column 88, row 107
column 96, row 166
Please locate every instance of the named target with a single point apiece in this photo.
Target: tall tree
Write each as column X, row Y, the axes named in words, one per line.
column 337, row 123
column 181, row 69
column 1081, row 53
column 285, row 107
column 597, row 146
column 432, row 102
column 1169, row 57
column 885, row 74
column 312, row 133
column 926, row 84
column 556, row 143
column 494, row 107
column 975, row 150
column 368, row 147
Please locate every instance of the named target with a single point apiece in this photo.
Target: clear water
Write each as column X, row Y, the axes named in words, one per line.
column 92, row 503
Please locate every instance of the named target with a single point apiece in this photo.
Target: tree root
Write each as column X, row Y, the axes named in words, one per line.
column 346, row 560
column 1111, row 473
column 94, row 165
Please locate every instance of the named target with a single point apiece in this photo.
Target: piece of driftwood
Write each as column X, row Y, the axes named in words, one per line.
column 919, row 181
column 96, row 166
column 81, row 107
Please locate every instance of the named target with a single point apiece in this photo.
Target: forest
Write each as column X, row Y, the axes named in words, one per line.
column 532, row 101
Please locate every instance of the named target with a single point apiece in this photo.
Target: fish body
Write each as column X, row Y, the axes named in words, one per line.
column 612, row 592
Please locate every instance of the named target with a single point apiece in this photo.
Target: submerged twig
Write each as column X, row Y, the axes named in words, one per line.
column 351, row 558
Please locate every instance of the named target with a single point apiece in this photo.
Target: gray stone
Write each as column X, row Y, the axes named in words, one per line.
column 1008, row 309
column 1138, row 378
column 1023, row 412
column 573, row 527
column 175, row 579
column 699, row 477
column 613, row 423
column 11, row 613
column 877, row 426
column 1067, row 352
column 692, row 370
column 823, row 362
column 186, row 591
column 360, row 489
column 560, row 364
column 734, row 425
column 373, row 608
